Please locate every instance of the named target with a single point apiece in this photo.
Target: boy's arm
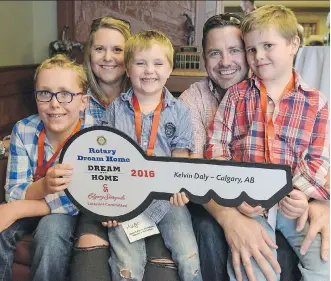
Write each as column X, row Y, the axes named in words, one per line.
column 180, row 152
column 19, row 182
column 36, row 190
column 56, row 180
column 28, row 208
column 19, row 170
column 183, row 141
column 15, row 210
column 179, row 199
column 220, row 130
column 310, row 173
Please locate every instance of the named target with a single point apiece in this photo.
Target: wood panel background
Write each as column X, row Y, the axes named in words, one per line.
column 16, row 95
column 165, row 16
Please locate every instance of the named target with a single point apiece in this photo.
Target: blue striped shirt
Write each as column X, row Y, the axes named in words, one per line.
column 23, row 160
column 174, row 132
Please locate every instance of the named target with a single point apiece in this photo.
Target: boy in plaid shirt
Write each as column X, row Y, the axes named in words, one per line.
column 35, row 182
column 275, row 117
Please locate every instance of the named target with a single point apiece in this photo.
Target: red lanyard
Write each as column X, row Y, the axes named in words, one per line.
column 155, row 123
column 104, row 104
column 41, row 168
column 269, row 129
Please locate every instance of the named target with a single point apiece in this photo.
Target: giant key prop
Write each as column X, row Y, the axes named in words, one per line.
column 113, row 179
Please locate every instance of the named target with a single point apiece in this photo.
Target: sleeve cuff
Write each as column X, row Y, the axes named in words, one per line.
column 314, row 189
column 157, row 210
column 217, row 150
column 17, row 193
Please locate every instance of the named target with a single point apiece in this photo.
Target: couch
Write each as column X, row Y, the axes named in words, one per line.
column 154, row 247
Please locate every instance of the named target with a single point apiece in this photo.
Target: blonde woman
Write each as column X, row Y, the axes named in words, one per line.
column 104, row 63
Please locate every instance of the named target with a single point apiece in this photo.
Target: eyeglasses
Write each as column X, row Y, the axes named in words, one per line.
column 96, row 22
column 223, row 19
column 62, row 96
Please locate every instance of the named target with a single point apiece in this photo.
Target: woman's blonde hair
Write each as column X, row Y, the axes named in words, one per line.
column 275, row 16
column 64, row 62
column 104, row 22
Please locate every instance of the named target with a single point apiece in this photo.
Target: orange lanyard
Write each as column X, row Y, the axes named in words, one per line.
column 155, row 123
column 105, row 105
column 41, row 168
column 269, row 131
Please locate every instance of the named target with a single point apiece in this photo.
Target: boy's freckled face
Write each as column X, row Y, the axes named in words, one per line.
column 269, row 54
column 60, row 118
column 149, row 70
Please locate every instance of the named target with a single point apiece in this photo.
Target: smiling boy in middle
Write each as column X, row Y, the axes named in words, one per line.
column 161, row 125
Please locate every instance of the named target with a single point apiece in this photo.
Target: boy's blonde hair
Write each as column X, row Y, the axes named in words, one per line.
column 62, row 61
column 110, row 23
column 145, row 40
column 275, row 16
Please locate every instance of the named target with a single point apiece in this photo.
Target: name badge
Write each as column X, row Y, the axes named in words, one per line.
column 113, row 179
column 140, row 227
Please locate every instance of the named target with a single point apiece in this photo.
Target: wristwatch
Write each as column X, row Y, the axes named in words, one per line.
column 2, row 150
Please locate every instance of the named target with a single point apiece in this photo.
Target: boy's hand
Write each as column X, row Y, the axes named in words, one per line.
column 179, row 199
column 57, row 178
column 250, row 211
column 295, row 205
column 7, row 215
column 111, row 223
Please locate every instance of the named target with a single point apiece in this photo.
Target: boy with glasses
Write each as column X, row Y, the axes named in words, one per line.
column 35, row 182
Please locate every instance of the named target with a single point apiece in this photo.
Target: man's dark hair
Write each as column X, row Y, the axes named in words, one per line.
column 220, row 20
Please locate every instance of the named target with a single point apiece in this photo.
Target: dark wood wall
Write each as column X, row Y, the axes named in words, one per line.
column 16, row 82
column 16, row 95
column 166, row 16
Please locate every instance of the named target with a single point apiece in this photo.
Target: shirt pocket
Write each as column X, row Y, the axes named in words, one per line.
column 294, row 126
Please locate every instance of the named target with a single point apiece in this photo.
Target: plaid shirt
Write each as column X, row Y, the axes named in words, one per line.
column 94, row 111
column 301, row 132
column 23, row 160
column 120, row 115
column 202, row 99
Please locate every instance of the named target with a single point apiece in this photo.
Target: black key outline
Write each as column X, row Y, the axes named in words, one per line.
column 211, row 194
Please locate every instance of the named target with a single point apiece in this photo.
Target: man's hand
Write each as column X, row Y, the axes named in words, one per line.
column 247, row 238
column 57, row 178
column 250, row 211
column 294, row 206
column 8, row 215
column 319, row 221
column 111, row 223
column 179, row 199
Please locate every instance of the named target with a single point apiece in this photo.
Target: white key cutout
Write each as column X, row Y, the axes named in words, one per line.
column 113, row 179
